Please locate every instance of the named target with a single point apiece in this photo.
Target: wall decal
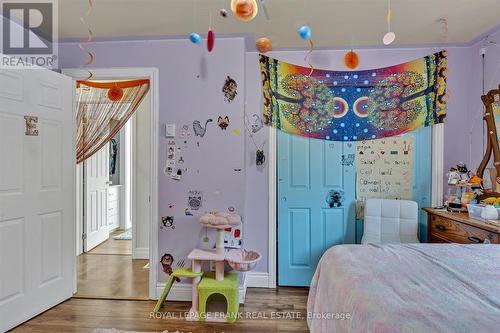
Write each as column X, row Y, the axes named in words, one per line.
column 348, row 160
column 185, row 132
column 233, row 237
column 176, row 175
column 236, row 131
column 167, row 222
column 172, row 205
column 170, row 162
column 230, row 89
column 223, row 122
column 195, row 199
column 334, row 198
column 198, row 129
column 187, row 212
column 258, row 123
column 231, row 209
column 167, row 261
column 181, row 263
column 260, row 157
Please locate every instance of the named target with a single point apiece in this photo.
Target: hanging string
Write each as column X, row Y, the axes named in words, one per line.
column 306, row 58
column 90, row 55
column 311, row 44
column 389, row 16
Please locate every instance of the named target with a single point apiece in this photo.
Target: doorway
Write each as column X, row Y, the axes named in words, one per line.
column 308, row 169
column 114, row 263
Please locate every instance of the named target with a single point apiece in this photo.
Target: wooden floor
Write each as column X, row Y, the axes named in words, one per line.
column 113, row 246
column 84, row 315
column 108, row 271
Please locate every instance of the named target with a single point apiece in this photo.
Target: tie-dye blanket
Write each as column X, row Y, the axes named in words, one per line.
column 406, row 288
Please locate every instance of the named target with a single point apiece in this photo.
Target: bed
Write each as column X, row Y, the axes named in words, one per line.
column 406, row 288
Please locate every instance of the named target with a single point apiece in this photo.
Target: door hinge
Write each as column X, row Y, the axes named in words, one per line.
column 150, row 199
column 84, row 236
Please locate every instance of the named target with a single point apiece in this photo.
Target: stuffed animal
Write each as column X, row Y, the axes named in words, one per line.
column 463, row 172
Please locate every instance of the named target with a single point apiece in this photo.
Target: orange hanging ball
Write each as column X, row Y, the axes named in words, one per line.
column 351, row 59
column 263, row 45
column 245, row 10
column 115, row 94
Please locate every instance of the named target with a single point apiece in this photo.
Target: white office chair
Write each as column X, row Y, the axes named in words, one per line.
column 390, row 221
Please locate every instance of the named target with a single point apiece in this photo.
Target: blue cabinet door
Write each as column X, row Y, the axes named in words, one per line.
column 307, row 226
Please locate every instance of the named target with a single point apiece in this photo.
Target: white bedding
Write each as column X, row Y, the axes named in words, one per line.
column 406, row 288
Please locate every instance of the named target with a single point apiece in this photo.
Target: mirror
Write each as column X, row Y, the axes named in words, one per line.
column 491, row 116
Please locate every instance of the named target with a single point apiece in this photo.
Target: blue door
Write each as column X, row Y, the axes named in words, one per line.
column 308, row 169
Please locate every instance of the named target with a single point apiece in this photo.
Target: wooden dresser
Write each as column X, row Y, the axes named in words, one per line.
column 450, row 227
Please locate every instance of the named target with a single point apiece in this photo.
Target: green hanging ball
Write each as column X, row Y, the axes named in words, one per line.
column 205, row 239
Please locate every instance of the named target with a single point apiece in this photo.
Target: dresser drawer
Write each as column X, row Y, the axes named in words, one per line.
column 452, row 231
column 112, row 208
column 113, row 193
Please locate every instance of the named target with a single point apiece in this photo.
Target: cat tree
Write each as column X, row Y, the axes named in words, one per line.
column 206, row 284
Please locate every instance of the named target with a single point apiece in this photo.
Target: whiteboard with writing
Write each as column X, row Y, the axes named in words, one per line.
column 384, row 168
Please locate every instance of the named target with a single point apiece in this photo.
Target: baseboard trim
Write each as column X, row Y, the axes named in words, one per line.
column 140, row 253
column 259, row 280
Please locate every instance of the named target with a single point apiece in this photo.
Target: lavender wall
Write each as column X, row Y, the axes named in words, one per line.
column 462, row 130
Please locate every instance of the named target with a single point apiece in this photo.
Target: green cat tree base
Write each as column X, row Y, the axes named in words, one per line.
column 229, row 288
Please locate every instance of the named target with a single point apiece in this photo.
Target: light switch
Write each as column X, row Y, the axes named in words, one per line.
column 170, row 130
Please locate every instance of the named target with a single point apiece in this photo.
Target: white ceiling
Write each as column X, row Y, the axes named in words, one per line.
column 335, row 23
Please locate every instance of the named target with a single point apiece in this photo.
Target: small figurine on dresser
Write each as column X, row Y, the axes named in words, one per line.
column 463, row 172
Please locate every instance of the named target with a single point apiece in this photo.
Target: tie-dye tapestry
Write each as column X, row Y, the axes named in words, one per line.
column 354, row 105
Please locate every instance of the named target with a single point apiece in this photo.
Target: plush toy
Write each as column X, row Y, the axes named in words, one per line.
column 463, row 172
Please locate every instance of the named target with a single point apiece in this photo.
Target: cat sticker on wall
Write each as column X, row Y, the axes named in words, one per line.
column 230, row 89
column 195, row 199
column 167, row 222
column 167, row 260
column 200, row 130
column 223, row 122
column 258, row 123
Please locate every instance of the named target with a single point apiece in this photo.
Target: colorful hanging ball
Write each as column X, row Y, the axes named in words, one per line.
column 389, row 38
column 263, row 45
column 245, row 10
column 223, row 13
column 210, row 40
column 305, row 32
column 351, row 59
column 195, row 38
column 115, row 94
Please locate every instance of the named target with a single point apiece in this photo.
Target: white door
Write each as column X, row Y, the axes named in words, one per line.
column 96, row 177
column 37, row 195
